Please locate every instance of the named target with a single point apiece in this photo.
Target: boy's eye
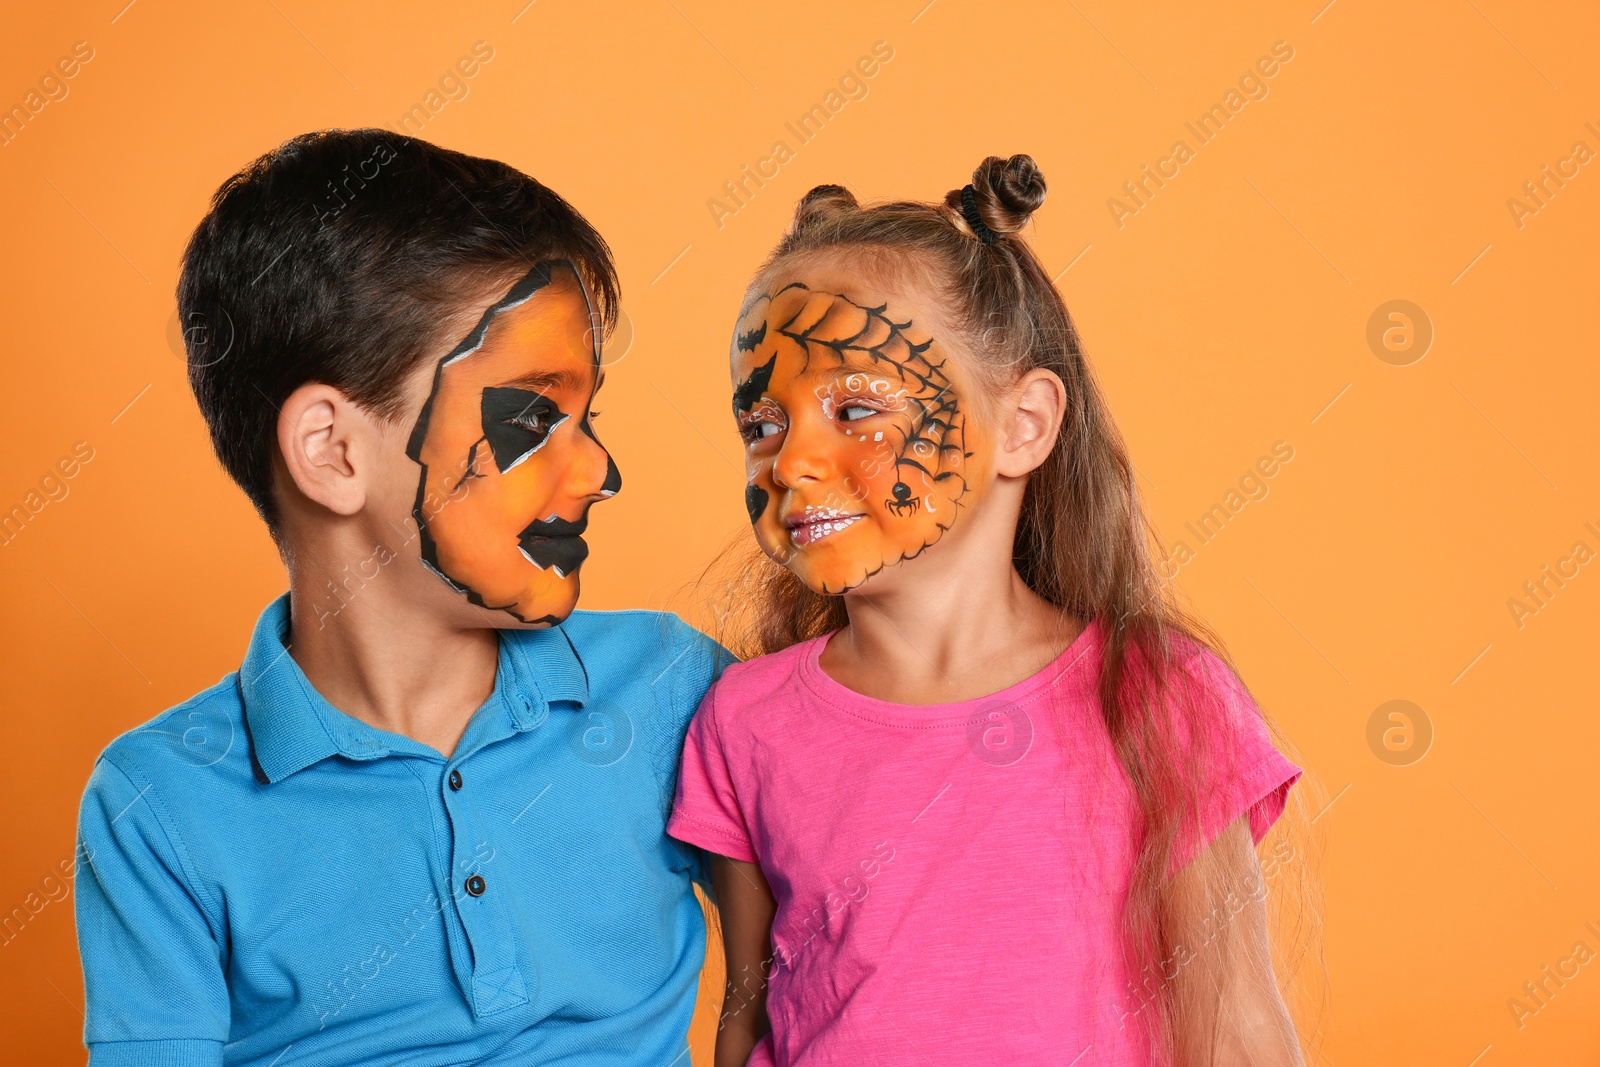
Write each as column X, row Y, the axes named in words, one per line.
column 852, row 412
column 535, row 422
column 517, row 423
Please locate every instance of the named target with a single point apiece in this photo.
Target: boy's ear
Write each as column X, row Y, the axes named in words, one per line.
column 327, row 445
column 1032, row 414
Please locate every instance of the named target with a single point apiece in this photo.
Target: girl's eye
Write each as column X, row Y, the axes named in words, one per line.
column 852, row 412
column 760, row 430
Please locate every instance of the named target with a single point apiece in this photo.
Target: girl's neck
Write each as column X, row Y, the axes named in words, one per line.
column 950, row 626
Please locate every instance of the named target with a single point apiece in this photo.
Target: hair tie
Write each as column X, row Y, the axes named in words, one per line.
column 969, row 210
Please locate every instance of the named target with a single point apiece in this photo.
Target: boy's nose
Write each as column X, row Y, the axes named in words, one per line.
column 595, row 475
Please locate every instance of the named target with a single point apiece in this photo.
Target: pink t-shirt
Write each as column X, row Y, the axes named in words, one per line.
column 949, row 877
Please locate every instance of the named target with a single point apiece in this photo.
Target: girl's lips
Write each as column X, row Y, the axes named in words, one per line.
column 816, row 523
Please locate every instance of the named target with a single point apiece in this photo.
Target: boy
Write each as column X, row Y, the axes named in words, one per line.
column 423, row 823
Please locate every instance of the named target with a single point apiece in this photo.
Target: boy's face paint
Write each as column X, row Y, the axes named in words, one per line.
column 858, row 451
column 510, row 463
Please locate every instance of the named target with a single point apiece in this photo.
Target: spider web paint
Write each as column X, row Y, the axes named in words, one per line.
column 935, row 443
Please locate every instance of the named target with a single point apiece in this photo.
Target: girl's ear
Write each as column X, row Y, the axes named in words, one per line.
column 1030, row 422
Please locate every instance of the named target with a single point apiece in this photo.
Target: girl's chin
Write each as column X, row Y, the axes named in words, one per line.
column 832, row 580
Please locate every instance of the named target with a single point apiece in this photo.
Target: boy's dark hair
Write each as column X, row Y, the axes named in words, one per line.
column 335, row 258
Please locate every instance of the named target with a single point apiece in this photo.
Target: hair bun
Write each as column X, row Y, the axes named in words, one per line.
column 1007, row 192
column 823, row 202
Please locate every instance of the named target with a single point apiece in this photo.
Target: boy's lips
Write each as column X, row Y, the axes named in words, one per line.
column 555, row 544
column 813, row 524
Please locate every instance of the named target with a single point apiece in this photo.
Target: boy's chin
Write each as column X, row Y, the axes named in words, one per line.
column 550, row 608
column 538, row 612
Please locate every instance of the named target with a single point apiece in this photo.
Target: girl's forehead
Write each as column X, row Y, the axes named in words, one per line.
column 865, row 280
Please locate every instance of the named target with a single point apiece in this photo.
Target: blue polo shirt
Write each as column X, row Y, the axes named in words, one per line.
column 268, row 881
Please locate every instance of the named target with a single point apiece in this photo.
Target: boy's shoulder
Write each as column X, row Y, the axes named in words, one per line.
column 205, row 731
column 633, row 645
column 629, row 627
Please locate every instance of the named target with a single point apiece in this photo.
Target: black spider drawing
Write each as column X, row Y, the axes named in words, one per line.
column 903, row 503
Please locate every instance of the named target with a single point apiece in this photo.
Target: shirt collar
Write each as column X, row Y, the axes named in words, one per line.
column 291, row 726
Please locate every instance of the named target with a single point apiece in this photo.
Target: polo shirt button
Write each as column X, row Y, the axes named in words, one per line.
column 476, row 886
column 455, row 779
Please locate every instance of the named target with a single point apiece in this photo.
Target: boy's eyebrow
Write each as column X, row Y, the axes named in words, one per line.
column 541, row 381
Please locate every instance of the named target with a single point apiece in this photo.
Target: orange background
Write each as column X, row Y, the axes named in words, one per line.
column 1228, row 314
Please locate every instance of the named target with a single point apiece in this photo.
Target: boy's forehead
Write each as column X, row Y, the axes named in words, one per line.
column 547, row 340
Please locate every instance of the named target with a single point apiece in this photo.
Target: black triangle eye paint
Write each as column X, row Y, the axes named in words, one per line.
column 517, row 423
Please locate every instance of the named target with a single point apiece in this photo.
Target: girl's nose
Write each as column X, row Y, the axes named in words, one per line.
column 805, row 455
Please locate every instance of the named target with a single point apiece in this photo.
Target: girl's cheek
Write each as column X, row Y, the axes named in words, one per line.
column 873, row 455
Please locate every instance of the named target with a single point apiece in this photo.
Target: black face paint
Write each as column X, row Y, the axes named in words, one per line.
column 555, row 542
column 750, row 390
column 755, row 501
column 517, row 423
column 747, row 341
column 903, row 503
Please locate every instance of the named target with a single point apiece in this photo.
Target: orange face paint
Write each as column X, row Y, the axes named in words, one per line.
column 857, row 446
column 510, row 463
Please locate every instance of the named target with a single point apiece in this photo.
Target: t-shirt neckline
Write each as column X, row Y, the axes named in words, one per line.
column 841, row 696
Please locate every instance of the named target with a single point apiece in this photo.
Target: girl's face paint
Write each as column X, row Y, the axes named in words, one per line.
column 510, row 463
column 858, row 451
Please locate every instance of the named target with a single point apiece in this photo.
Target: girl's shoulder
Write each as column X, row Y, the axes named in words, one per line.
column 765, row 696
column 766, row 682
column 1208, row 676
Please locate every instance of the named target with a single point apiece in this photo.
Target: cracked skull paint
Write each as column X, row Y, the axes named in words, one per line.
column 856, row 442
column 510, row 462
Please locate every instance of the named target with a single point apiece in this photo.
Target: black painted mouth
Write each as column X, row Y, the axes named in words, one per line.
column 555, row 544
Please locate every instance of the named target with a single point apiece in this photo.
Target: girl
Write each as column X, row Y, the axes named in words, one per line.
column 988, row 796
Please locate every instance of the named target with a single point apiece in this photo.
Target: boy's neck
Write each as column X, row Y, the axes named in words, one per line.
column 387, row 661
